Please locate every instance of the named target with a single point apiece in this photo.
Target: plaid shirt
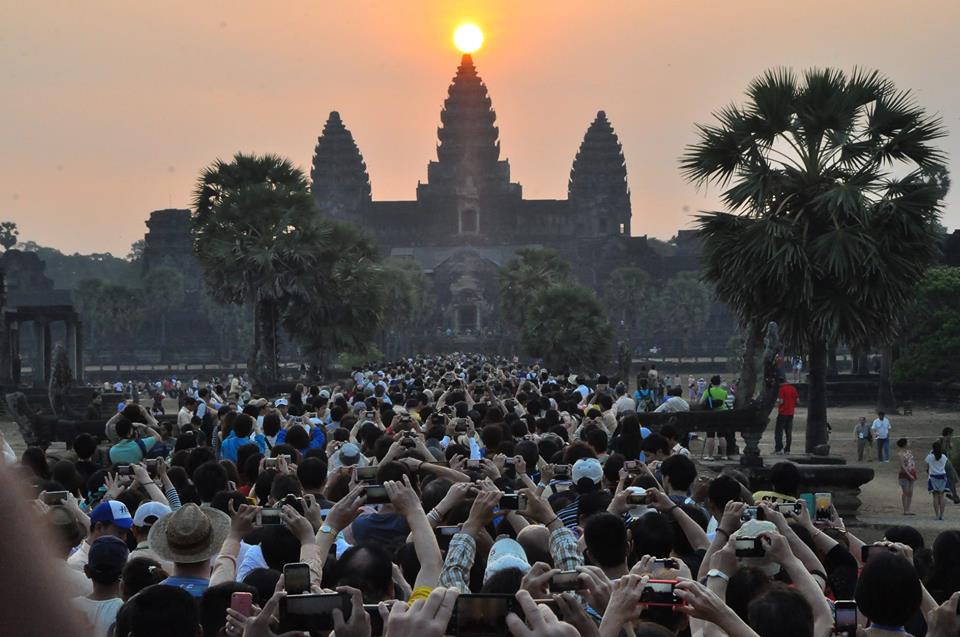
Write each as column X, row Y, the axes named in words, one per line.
column 463, row 549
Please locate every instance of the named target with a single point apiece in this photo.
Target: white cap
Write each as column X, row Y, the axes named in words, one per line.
column 587, row 468
column 155, row 510
column 506, row 553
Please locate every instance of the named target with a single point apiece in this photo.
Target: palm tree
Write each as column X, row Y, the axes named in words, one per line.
column 522, row 277
column 831, row 216
column 255, row 233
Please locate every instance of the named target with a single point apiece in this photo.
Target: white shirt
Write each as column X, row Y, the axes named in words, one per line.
column 937, row 467
column 73, row 583
column 100, row 615
column 184, row 416
column 673, row 404
column 78, row 559
column 881, row 428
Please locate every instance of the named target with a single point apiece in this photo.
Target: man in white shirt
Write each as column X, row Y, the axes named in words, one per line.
column 881, row 433
column 624, row 402
column 674, row 402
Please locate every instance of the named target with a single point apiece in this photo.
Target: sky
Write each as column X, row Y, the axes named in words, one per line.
column 110, row 109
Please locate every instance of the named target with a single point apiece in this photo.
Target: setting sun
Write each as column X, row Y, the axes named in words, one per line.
column 468, row 38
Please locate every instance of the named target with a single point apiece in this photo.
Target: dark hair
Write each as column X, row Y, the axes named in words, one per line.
column 901, row 442
column 627, row 439
column 271, row 424
column 84, row 445
column 221, row 501
column 505, row 582
column 199, row 456
column 721, row 490
column 251, row 467
column 937, row 450
column 652, row 534
column 243, row 426
column 139, row 573
column 785, row 477
column 368, row 568
column 279, row 547
column 215, row 602
column 159, row 611
column 656, row 442
column 769, row 609
column 284, row 485
column 265, row 581
column 35, row 459
column 209, row 478
column 681, row 471
column 606, row 539
column 745, row 585
column 944, row 577
column 133, row 413
column 297, row 437
column 124, row 427
column 947, row 431
column 668, row 431
column 312, row 473
column 888, row 590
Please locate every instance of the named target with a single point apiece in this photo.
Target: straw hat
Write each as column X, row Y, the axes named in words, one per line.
column 189, row 534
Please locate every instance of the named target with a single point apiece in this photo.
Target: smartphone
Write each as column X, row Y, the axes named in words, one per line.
column 242, row 603
column 565, row 581
column 473, row 464
column 513, row 501
column 751, row 513
column 789, row 510
column 749, row 547
column 638, row 496
column 271, row 463
column 296, row 578
column 151, row 465
column 124, row 469
column 823, row 502
column 365, row 474
column 666, row 563
column 659, row 592
column 482, row 615
column 445, row 534
column 845, row 618
column 52, row 498
column 376, row 494
column 632, row 465
column 269, row 517
column 561, row 471
column 869, row 549
column 312, row 612
column 376, row 621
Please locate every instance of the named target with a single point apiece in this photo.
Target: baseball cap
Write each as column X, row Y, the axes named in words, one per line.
column 280, row 402
column 506, row 553
column 112, row 512
column 149, row 512
column 107, row 557
column 587, row 468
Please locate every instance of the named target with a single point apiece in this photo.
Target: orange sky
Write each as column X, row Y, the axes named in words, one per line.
column 109, row 109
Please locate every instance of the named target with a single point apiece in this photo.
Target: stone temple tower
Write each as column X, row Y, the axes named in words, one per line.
column 341, row 185
column 598, row 190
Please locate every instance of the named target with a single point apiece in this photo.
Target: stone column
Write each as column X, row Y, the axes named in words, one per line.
column 47, row 352
column 78, row 371
column 71, row 345
column 39, row 362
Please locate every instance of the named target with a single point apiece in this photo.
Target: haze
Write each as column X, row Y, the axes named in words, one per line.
column 110, row 109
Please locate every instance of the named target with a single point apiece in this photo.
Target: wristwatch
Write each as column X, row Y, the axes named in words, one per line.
column 716, row 572
column 326, row 529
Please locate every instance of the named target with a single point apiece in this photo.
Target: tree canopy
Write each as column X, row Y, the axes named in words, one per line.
column 931, row 347
column 567, row 328
column 524, row 276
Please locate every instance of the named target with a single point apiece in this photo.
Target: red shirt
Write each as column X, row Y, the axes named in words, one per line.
column 788, row 399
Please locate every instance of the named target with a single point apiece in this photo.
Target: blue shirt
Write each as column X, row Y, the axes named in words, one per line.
column 317, row 437
column 193, row 585
column 229, row 447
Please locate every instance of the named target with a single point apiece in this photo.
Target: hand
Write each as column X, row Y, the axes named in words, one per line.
column 777, row 548
column 618, row 505
column 546, row 475
column 359, row 624
column 772, row 514
column 659, row 500
column 538, row 508
column 114, row 486
column 730, row 520
column 624, row 600
column 403, row 498
column 482, row 512
column 243, row 520
column 489, row 468
column 701, row 602
column 537, row 580
column 344, row 512
column 899, row 548
column 457, row 462
column 425, row 618
column 574, row 614
column 297, row 524
column 597, row 586
column 401, row 588
column 257, row 625
column 311, row 511
column 520, row 465
column 283, row 467
column 944, row 621
column 140, row 473
column 162, row 471
column 540, row 620
column 500, row 460
column 725, row 560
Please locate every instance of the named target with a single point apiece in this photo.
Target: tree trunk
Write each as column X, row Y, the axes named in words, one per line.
column 886, row 401
column 817, row 400
column 752, row 338
column 832, row 368
column 263, row 362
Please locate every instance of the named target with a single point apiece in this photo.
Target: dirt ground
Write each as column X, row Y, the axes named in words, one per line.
column 880, row 497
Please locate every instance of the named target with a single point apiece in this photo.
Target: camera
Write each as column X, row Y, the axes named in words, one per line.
column 845, row 618
column 473, row 464
column 749, row 547
column 751, row 513
column 638, row 496
column 660, row 593
column 565, row 581
column 376, row 494
column 365, row 474
column 271, row 463
column 869, row 549
column 666, row 563
column 52, row 498
column 151, row 467
column 296, row 578
column 788, row 509
column 562, row 471
column 632, row 466
column 513, row 502
column 268, row 516
column 124, row 469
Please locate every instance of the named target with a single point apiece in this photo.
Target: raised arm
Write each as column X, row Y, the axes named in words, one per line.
column 406, row 503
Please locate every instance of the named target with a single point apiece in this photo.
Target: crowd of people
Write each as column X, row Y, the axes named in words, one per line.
column 454, row 495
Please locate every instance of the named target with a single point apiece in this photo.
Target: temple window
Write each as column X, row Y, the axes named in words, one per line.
column 469, row 222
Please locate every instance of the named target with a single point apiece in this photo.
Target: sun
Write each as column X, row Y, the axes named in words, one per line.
column 468, row 38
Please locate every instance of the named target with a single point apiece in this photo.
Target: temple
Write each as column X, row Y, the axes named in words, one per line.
column 469, row 218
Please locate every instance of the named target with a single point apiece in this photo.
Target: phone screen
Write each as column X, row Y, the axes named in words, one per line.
column 513, row 502
column 269, row 517
column 482, row 615
column 565, row 581
column 376, row 494
column 366, row 474
column 296, row 578
column 54, row 497
column 312, row 612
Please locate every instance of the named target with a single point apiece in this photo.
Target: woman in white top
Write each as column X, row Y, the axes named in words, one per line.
column 937, row 477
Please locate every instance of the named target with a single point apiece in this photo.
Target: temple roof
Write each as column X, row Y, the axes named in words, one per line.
column 599, row 168
column 338, row 167
column 468, row 133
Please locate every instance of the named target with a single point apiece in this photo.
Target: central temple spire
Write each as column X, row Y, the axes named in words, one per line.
column 468, row 134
